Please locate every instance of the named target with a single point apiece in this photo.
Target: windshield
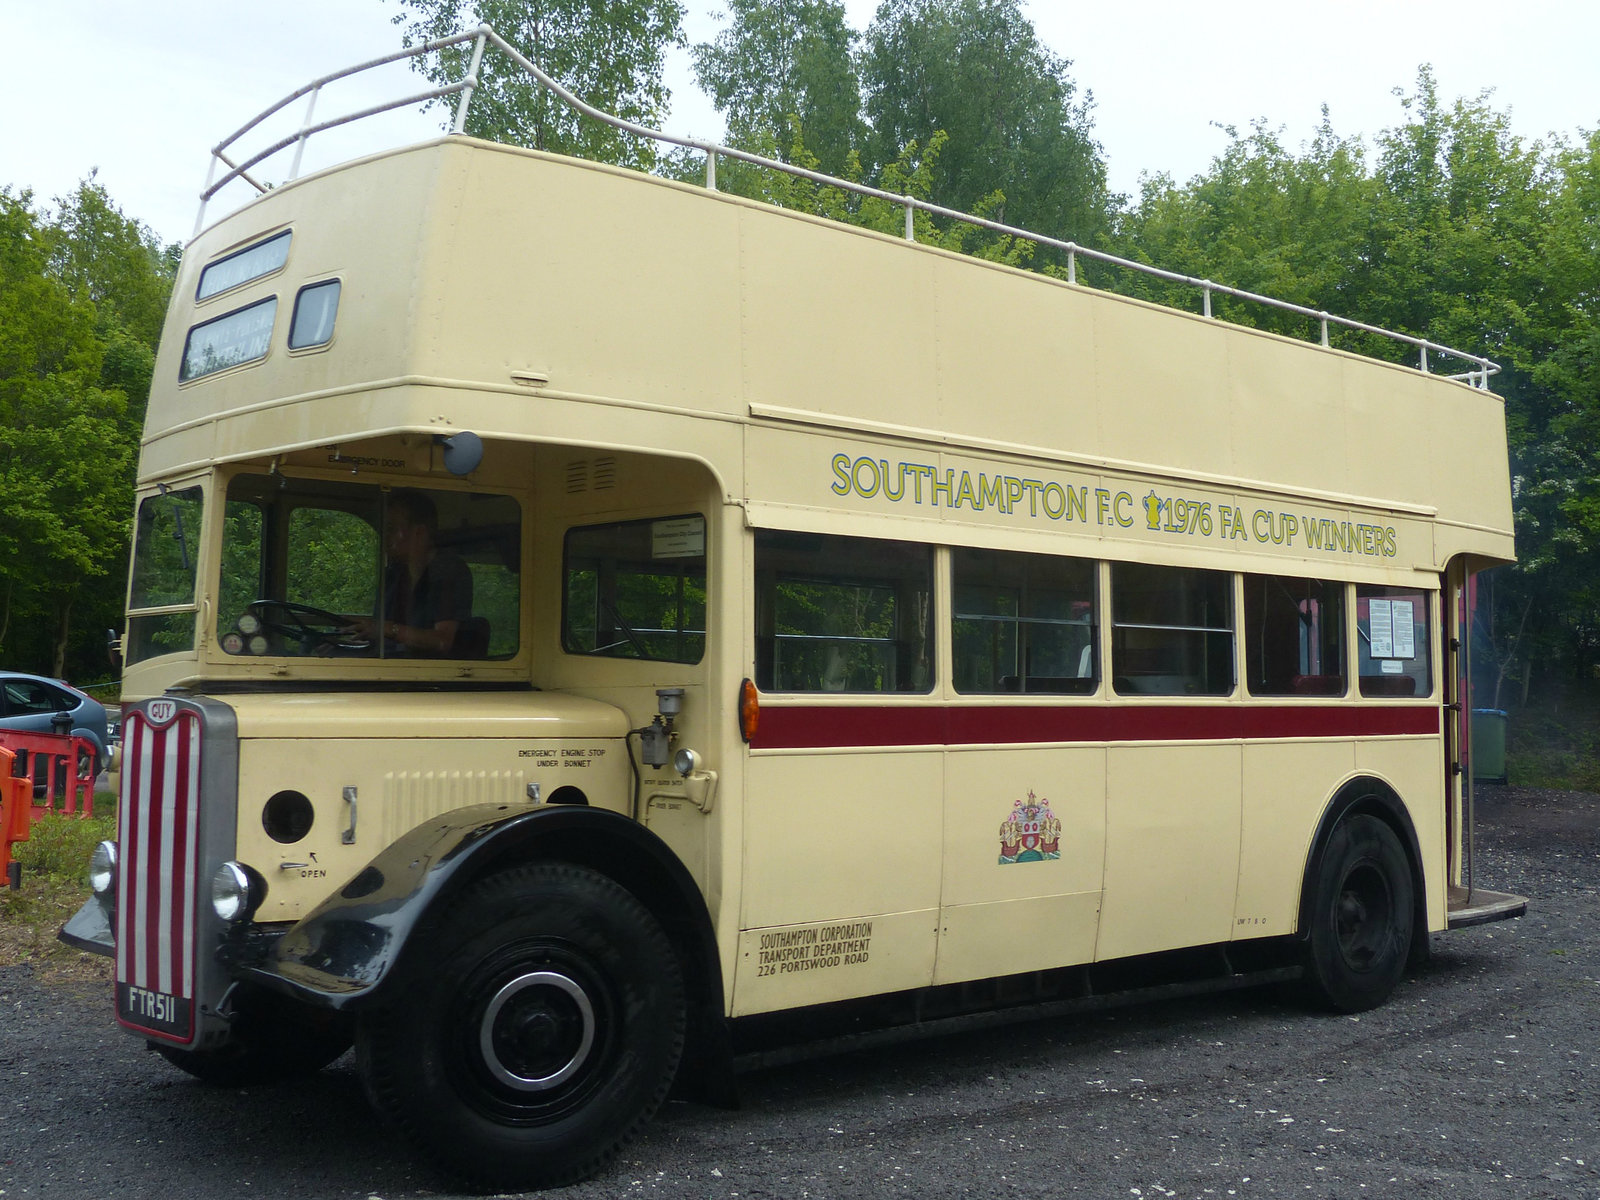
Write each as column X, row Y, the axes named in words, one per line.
column 165, row 543
column 331, row 569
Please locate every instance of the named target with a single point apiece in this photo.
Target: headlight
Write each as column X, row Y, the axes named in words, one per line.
column 236, row 892
column 103, row 869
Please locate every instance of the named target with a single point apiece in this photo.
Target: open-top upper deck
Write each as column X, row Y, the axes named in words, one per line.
column 818, row 369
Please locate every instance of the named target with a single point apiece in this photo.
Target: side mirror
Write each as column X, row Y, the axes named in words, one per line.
column 462, row 452
column 114, row 649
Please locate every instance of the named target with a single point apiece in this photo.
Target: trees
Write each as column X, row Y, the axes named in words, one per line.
column 784, row 76
column 82, row 295
column 1015, row 122
column 1460, row 232
column 610, row 55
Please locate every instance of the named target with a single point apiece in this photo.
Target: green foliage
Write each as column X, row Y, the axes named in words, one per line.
column 784, row 77
column 59, row 846
column 976, row 70
column 1554, row 742
column 1460, row 232
column 612, row 56
column 82, row 297
column 332, row 560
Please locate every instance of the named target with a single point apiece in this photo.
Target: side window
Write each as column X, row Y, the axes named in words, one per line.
column 1023, row 623
column 636, row 589
column 1393, row 640
column 165, row 552
column 1293, row 636
column 315, row 308
column 836, row 614
column 25, row 696
column 1171, row 631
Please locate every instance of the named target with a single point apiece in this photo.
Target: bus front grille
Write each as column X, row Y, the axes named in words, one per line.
column 158, row 888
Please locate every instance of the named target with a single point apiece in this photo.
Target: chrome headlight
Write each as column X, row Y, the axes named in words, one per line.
column 103, row 869
column 236, row 892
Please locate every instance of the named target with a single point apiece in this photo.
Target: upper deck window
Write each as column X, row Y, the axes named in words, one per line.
column 636, row 589
column 242, row 266
column 239, row 337
column 315, row 309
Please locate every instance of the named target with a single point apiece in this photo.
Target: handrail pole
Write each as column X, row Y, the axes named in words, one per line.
column 1324, row 323
column 1072, row 263
column 911, row 224
column 205, row 193
column 711, row 170
column 305, row 124
column 471, row 81
column 1205, row 291
column 1424, row 358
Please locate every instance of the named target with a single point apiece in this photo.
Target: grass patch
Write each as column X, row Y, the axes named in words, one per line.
column 1555, row 741
column 55, row 865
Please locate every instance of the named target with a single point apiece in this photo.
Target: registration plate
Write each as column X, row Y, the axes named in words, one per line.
column 155, row 1011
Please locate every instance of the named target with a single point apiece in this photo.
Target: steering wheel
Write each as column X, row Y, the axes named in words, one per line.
column 309, row 626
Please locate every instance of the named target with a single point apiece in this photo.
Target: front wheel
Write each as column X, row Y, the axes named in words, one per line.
column 544, row 1030
column 1362, row 917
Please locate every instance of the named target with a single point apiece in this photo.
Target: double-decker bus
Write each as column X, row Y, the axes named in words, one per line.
column 576, row 616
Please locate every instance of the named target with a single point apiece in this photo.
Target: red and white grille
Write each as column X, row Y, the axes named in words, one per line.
column 158, row 889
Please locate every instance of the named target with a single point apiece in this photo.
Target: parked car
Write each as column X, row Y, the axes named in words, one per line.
column 35, row 704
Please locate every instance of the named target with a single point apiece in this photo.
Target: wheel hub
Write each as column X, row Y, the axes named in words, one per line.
column 1361, row 916
column 537, row 1031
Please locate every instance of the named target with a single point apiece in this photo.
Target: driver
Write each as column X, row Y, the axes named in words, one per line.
column 427, row 593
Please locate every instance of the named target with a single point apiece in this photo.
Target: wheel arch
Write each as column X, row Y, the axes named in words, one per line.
column 357, row 948
column 641, row 862
column 1374, row 797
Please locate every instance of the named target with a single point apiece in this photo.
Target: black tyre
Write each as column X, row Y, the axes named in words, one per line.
column 543, row 1032
column 272, row 1043
column 1362, row 915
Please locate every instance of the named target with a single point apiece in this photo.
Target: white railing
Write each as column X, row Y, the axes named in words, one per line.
column 1477, row 375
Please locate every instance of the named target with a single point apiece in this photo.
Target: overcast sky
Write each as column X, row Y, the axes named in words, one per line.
column 141, row 91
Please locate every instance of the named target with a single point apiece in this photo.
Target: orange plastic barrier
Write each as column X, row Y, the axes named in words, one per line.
column 57, row 765
column 16, row 816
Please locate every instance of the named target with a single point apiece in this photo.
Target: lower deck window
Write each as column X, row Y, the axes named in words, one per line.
column 1023, row 623
column 1294, row 636
column 1172, row 631
column 836, row 614
column 1393, row 640
column 636, row 589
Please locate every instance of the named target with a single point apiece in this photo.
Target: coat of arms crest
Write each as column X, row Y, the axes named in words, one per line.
column 1031, row 833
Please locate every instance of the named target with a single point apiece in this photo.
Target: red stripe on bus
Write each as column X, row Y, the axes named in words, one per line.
column 132, row 739
column 179, row 881
column 191, row 856
column 153, row 884
column 802, row 727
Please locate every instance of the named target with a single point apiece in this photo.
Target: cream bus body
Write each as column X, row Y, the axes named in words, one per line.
column 632, row 350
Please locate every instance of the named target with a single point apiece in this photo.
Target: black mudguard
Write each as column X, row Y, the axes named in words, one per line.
column 346, row 953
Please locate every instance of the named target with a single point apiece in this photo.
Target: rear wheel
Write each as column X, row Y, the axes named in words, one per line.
column 1362, row 917
column 545, row 1030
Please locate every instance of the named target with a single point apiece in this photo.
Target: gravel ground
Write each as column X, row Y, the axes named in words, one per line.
column 1478, row 1079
